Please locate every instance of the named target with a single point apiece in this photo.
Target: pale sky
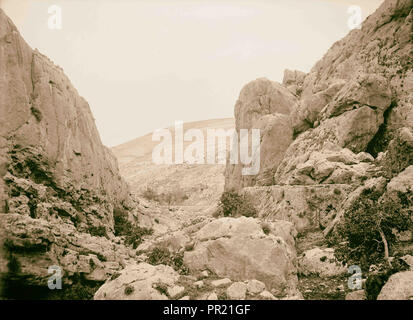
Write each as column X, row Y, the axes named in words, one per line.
column 142, row 64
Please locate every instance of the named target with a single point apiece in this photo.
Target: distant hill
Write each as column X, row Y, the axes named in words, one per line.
column 200, row 183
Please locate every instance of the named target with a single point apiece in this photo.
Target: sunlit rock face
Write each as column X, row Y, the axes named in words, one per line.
column 57, row 180
column 357, row 98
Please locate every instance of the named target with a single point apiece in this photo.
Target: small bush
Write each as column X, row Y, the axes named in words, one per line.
column 13, row 265
column 121, row 223
column 129, row 290
column 36, row 113
column 79, row 291
column 98, row 231
column 233, row 204
column 161, row 255
column 176, row 196
column 369, row 226
column 123, row 227
column 266, row 228
column 135, row 236
column 150, row 194
column 161, row 288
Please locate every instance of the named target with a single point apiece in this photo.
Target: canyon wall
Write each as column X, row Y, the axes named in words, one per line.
column 59, row 185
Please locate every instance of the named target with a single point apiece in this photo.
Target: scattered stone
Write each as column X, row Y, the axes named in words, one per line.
column 255, row 287
column 221, row 282
column 266, row 295
column 237, row 291
column 212, row 296
column 199, row 284
column 356, row 295
column 140, row 282
column 321, row 262
column 175, row 291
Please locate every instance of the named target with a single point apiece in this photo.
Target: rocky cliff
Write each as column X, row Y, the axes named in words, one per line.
column 350, row 119
column 339, row 139
column 59, row 185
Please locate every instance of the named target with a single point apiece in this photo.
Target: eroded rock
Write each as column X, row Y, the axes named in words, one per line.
column 141, row 282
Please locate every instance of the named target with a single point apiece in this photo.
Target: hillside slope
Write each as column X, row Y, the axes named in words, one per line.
column 201, row 183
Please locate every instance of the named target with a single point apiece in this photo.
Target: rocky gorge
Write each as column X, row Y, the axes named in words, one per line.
column 335, row 188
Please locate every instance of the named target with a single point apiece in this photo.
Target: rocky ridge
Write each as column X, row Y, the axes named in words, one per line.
column 329, row 137
column 59, row 186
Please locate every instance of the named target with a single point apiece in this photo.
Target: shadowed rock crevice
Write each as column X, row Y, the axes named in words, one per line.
column 381, row 140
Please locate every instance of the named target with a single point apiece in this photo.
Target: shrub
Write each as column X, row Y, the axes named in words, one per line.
column 121, row 222
column 79, row 291
column 150, row 194
column 233, row 204
column 266, row 228
column 36, row 113
column 161, row 255
column 176, row 196
column 129, row 290
column 98, row 231
column 161, row 288
column 135, row 236
column 368, row 228
column 123, row 227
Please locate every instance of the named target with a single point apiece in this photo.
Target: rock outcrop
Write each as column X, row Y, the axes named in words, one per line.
column 398, row 287
column 350, row 117
column 58, row 183
column 140, row 282
column 263, row 105
column 321, row 262
column 239, row 249
column 346, row 132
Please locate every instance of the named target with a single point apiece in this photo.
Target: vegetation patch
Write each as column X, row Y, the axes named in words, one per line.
column 233, row 204
column 36, row 113
column 174, row 197
column 161, row 255
column 99, row 231
column 161, row 288
column 129, row 290
column 368, row 232
column 133, row 233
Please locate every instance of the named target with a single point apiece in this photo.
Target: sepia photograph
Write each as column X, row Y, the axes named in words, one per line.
column 225, row 152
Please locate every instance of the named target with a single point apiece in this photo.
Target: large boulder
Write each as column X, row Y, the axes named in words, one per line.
column 276, row 136
column 398, row 287
column 239, row 249
column 365, row 90
column 307, row 110
column 306, row 206
column 37, row 244
column 402, row 183
column 399, row 152
column 264, row 105
column 261, row 97
column 321, row 262
column 140, row 282
column 352, row 130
